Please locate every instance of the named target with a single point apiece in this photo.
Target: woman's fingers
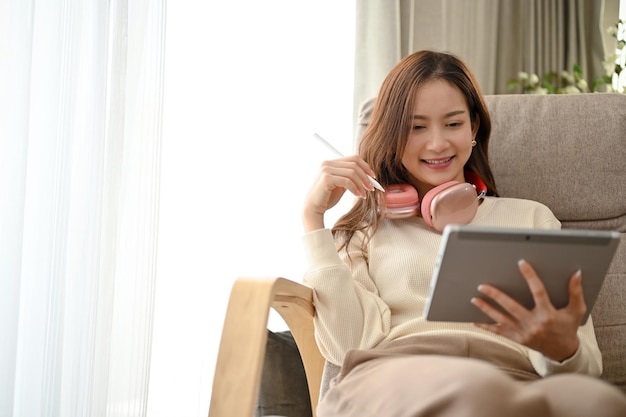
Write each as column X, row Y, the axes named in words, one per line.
column 346, row 175
column 540, row 295
column 334, row 178
column 513, row 309
column 576, row 295
column 537, row 289
column 544, row 328
column 355, row 164
column 498, row 316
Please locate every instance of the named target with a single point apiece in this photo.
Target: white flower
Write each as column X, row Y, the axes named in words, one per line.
column 570, row 89
column 522, row 76
column 620, row 33
column 582, row 85
column 567, row 77
column 619, row 82
column 620, row 59
column 609, row 64
column 534, row 79
column 539, row 90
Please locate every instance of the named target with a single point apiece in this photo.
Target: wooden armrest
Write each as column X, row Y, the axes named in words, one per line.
column 294, row 302
column 244, row 337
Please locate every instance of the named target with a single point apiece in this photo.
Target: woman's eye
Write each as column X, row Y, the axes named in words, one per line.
column 454, row 124
column 418, row 127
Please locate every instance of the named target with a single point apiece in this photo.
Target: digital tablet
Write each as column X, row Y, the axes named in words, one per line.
column 470, row 255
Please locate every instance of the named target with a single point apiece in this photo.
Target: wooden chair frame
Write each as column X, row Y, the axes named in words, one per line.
column 244, row 336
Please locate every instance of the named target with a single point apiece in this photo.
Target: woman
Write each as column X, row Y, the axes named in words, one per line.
column 370, row 275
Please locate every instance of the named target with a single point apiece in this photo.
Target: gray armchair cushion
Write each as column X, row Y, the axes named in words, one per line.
column 569, row 152
column 284, row 390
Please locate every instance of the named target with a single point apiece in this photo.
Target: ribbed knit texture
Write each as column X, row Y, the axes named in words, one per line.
column 363, row 303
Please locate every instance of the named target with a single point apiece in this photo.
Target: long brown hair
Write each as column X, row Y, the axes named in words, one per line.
column 386, row 135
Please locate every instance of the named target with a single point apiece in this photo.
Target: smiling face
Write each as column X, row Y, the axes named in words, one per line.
column 440, row 141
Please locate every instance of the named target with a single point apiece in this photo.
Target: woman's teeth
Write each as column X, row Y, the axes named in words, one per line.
column 437, row 161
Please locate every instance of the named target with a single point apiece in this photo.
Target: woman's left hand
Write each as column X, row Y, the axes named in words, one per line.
column 548, row 330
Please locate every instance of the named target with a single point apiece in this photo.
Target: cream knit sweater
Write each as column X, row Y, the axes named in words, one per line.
column 362, row 304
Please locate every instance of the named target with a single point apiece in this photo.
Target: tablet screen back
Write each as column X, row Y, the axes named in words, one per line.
column 470, row 256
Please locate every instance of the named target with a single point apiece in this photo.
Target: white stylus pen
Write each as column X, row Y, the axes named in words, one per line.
column 332, row 148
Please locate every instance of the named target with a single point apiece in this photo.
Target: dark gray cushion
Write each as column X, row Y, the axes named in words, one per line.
column 284, row 390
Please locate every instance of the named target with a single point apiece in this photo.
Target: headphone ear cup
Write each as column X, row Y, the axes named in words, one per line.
column 452, row 202
column 402, row 201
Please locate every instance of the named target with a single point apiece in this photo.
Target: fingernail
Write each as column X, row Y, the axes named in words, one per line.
column 521, row 262
column 578, row 274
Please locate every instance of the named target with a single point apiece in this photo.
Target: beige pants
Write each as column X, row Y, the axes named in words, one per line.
column 458, row 378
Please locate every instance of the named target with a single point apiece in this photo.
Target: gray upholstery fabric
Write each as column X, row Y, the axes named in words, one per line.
column 568, row 152
column 284, row 390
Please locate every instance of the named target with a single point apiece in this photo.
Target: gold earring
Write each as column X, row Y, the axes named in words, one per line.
column 473, row 143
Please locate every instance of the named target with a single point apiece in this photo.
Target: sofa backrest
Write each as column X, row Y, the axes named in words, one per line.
column 568, row 152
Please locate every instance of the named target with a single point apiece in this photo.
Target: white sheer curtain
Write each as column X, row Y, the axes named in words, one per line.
column 80, row 131
column 247, row 84
column 85, row 185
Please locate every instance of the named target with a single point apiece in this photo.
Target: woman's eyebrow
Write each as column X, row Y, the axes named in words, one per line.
column 451, row 114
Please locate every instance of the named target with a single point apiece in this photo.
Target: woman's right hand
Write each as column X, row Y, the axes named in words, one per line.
column 334, row 178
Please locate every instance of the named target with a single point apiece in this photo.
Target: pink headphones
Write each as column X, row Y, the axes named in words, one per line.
column 451, row 202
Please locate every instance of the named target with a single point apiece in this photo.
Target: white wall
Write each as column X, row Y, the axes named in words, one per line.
column 246, row 85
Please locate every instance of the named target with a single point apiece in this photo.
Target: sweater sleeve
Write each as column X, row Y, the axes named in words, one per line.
column 349, row 312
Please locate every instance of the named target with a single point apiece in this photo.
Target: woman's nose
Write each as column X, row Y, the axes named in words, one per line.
column 436, row 140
